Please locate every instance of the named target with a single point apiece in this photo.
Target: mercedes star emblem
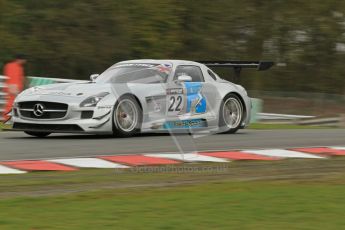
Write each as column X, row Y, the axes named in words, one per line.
column 38, row 110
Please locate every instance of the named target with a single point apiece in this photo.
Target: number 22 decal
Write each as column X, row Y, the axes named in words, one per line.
column 175, row 103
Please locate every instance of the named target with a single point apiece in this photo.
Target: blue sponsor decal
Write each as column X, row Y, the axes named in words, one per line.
column 185, row 124
column 195, row 101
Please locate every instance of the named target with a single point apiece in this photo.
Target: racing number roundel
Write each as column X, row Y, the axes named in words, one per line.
column 175, row 101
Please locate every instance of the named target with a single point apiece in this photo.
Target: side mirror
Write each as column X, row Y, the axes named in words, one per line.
column 93, row 77
column 183, row 78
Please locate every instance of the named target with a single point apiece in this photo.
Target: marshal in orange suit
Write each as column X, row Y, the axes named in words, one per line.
column 14, row 71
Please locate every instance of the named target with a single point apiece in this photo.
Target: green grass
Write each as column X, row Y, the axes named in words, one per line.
column 227, row 205
column 2, row 126
column 292, row 194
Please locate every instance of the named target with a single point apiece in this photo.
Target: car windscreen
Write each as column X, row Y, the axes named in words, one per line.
column 135, row 73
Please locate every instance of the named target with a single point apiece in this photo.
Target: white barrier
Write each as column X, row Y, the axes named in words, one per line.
column 36, row 81
column 58, row 80
column 275, row 116
column 2, row 94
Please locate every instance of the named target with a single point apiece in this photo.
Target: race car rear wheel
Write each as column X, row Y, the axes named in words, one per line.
column 231, row 114
column 37, row 134
column 127, row 117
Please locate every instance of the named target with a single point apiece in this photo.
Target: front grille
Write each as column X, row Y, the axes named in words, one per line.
column 49, row 110
column 47, row 127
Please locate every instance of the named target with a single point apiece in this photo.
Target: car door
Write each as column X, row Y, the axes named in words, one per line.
column 185, row 97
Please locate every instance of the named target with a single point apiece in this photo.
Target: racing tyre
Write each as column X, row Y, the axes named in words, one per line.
column 231, row 114
column 127, row 117
column 37, row 134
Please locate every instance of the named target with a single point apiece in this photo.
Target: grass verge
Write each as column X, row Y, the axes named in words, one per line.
column 291, row 194
column 3, row 126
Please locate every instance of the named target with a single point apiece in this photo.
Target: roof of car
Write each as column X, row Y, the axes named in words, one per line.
column 161, row 61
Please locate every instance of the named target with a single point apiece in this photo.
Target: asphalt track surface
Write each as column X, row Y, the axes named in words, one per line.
column 19, row 146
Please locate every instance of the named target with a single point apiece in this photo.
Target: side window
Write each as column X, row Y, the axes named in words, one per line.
column 212, row 74
column 190, row 70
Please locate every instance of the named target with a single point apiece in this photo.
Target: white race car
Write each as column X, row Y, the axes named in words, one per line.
column 139, row 96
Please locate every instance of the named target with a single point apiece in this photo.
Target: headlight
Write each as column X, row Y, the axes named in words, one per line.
column 93, row 100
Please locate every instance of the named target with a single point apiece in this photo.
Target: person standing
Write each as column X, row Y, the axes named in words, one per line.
column 14, row 71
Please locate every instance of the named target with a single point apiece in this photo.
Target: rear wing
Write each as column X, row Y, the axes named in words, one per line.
column 258, row 65
column 239, row 65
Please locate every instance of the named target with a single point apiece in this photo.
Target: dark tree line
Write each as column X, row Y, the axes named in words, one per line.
column 72, row 39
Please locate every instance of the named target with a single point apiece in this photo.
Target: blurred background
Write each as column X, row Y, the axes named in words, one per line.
column 306, row 40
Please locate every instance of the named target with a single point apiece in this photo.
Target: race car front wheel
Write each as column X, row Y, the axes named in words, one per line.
column 37, row 134
column 127, row 117
column 230, row 114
